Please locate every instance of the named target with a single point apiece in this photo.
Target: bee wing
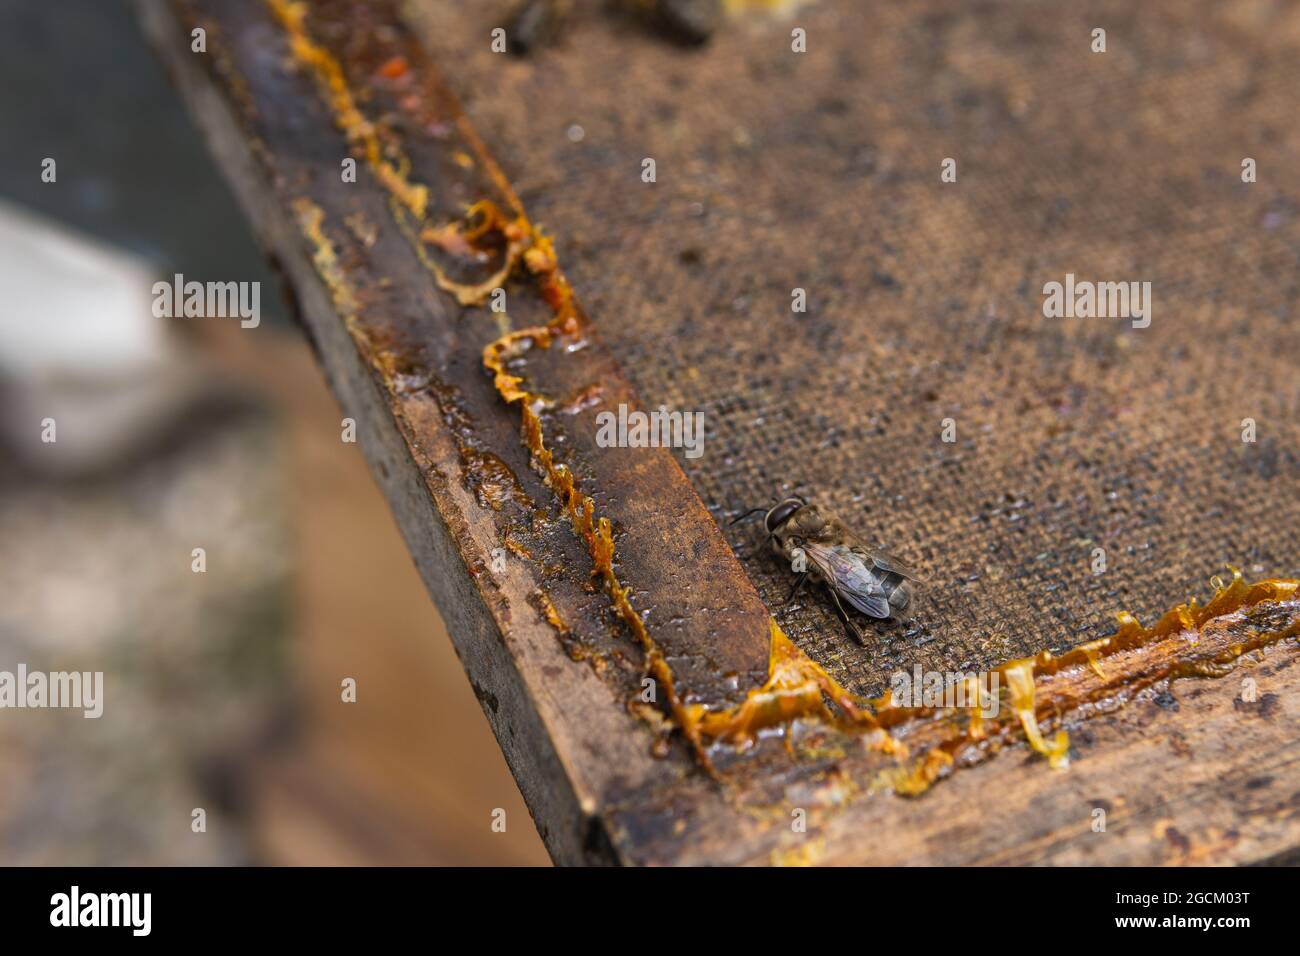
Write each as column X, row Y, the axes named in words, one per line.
column 888, row 562
column 849, row 573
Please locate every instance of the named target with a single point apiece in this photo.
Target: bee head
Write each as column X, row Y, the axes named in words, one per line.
column 782, row 513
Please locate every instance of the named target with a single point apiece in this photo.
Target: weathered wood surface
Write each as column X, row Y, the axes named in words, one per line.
column 1211, row 778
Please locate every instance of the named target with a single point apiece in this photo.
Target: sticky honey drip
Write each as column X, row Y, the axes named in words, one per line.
column 797, row 688
column 596, row 532
column 1020, row 681
column 392, row 168
column 358, row 130
column 310, row 221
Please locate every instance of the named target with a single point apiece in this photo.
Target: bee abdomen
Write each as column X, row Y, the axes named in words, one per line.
column 896, row 589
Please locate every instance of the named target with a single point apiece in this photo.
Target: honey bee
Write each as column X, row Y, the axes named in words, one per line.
column 815, row 542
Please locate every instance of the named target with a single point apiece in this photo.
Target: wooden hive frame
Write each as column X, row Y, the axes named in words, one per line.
column 455, row 415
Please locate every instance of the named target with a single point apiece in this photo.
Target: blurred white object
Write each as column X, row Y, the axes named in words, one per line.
column 79, row 344
column 97, row 573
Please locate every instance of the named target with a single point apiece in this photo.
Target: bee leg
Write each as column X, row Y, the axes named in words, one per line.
column 797, row 586
column 854, row 631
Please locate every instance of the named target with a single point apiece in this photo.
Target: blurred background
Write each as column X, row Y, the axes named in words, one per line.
column 222, row 688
